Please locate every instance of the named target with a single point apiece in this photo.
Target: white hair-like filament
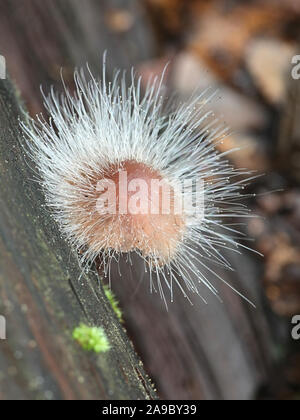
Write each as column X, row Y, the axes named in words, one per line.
column 105, row 124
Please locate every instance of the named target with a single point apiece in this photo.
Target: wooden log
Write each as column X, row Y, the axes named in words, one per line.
column 44, row 296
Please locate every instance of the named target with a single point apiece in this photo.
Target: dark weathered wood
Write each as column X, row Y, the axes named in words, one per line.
column 214, row 351
column 38, row 38
column 40, row 291
column 43, row 296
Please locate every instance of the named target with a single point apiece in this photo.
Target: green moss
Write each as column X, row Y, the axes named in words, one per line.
column 91, row 338
column 113, row 301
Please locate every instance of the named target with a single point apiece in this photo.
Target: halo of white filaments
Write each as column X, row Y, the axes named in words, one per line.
column 106, row 123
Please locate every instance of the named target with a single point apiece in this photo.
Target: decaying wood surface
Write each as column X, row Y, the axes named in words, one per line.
column 40, row 291
column 44, row 297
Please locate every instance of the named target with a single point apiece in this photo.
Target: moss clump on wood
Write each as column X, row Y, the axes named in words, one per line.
column 113, row 301
column 91, row 338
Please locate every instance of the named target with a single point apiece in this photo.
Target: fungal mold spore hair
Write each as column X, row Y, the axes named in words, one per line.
column 116, row 170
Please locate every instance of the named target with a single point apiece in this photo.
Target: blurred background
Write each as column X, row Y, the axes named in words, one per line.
column 245, row 49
